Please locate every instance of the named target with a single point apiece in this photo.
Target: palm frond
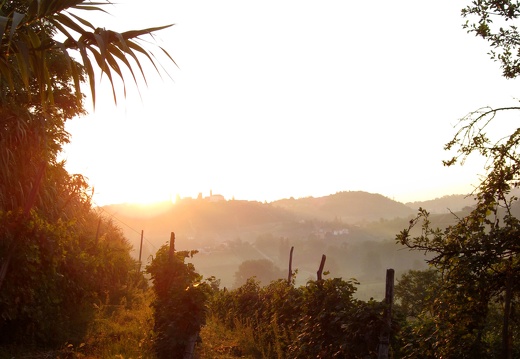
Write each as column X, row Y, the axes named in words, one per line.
column 105, row 50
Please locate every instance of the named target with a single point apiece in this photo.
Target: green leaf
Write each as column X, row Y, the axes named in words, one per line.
column 83, row 21
column 89, row 69
column 64, row 20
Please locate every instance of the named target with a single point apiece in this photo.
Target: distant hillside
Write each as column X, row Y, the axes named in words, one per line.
column 201, row 221
column 349, row 207
column 355, row 230
column 445, row 204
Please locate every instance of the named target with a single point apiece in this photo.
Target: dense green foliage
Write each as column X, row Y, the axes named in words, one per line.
column 452, row 321
column 469, row 301
column 58, row 257
column 319, row 320
column 477, row 260
column 29, row 29
column 58, row 271
column 180, row 302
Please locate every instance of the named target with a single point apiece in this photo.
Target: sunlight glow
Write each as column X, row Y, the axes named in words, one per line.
column 262, row 112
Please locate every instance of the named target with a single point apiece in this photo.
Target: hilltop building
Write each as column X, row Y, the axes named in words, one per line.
column 215, row 197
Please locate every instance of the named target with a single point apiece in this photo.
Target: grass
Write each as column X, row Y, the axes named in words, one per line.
column 122, row 331
column 218, row 342
column 125, row 331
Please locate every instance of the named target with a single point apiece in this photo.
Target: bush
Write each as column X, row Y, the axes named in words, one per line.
column 319, row 320
column 180, row 302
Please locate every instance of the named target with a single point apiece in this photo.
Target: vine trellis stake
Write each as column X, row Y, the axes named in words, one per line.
column 322, row 265
column 289, row 277
column 384, row 339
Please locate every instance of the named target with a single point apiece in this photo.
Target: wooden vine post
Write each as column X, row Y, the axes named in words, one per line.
column 289, row 277
column 384, row 339
column 322, row 264
column 172, row 246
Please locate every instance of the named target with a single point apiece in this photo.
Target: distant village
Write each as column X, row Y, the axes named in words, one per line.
column 211, row 198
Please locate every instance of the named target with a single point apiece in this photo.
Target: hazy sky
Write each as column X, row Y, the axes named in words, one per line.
column 274, row 99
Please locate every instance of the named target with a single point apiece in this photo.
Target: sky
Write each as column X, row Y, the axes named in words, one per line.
column 293, row 98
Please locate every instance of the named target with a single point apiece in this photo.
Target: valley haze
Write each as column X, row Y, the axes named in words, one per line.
column 354, row 229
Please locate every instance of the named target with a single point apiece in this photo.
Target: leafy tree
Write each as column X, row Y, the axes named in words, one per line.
column 58, row 271
column 478, row 257
column 416, row 291
column 40, row 83
column 30, row 30
column 40, row 89
column 57, row 255
column 478, row 261
column 180, row 303
column 416, row 294
column 493, row 20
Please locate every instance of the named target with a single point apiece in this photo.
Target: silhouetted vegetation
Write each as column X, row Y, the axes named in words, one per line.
column 59, row 259
column 320, row 320
column 179, row 305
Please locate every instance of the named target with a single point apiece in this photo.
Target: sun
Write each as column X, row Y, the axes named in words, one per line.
column 148, row 196
column 131, row 190
column 131, row 196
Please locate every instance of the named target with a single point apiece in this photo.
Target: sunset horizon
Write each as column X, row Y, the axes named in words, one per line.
column 210, row 195
column 283, row 109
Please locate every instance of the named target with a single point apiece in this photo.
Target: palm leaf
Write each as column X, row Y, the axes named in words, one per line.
column 63, row 20
column 116, row 51
column 15, row 22
column 83, row 21
column 101, row 62
column 100, row 42
column 135, row 46
column 109, row 49
column 112, row 62
column 136, row 33
column 89, row 69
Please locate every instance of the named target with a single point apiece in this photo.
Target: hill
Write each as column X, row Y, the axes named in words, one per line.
column 205, row 225
column 200, row 222
column 349, row 207
column 346, row 226
column 445, row 204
